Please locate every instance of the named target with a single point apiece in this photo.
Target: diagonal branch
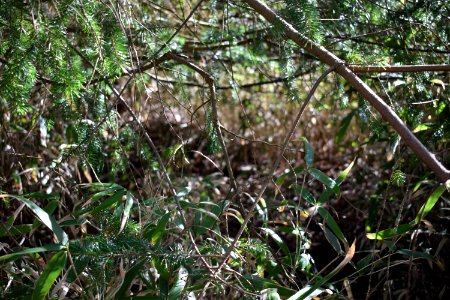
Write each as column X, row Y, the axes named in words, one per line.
column 441, row 172
column 268, row 179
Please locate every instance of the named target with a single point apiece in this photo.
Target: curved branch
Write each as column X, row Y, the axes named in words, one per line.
column 442, row 173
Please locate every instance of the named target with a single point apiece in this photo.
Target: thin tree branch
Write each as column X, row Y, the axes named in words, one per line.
column 212, row 89
column 268, row 179
column 399, row 69
column 441, row 172
column 156, row 154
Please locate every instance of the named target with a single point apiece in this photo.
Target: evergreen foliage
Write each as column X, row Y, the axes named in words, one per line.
column 85, row 84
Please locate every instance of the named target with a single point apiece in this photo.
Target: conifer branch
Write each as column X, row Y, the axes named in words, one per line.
column 429, row 159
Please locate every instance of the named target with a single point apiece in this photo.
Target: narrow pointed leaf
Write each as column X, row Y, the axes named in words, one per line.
column 309, row 153
column 126, row 211
column 132, row 273
column 390, row 232
column 304, row 293
column 305, row 194
column 48, row 277
column 45, row 218
column 15, row 255
column 180, row 283
column 428, row 206
column 330, row 222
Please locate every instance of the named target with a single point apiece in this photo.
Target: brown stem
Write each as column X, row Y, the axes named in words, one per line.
column 268, row 179
column 442, row 173
column 399, row 69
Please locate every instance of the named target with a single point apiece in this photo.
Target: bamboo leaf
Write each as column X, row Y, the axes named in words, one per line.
column 344, row 126
column 390, row 232
column 431, row 202
column 45, row 218
column 305, row 194
column 319, row 175
column 126, row 211
column 180, row 283
column 309, row 153
column 48, row 277
column 14, row 255
column 307, row 291
column 132, row 273
column 279, row 241
column 330, row 222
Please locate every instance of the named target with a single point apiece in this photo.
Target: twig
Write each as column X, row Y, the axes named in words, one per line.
column 274, row 167
column 429, row 159
column 156, row 154
column 399, row 69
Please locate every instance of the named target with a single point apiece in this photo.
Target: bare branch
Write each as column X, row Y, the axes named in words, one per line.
column 399, row 69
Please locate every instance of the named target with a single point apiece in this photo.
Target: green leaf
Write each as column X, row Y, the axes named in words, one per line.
column 180, row 283
column 48, row 277
column 344, row 126
column 319, row 175
column 330, row 222
column 297, row 170
column 428, row 206
column 314, row 290
column 257, row 283
column 112, row 200
column 15, row 255
column 132, row 273
column 110, row 188
column 335, row 190
column 271, row 294
column 158, row 232
column 126, row 211
column 305, row 194
column 332, row 239
column 309, row 153
column 416, row 254
column 45, row 218
column 206, row 212
column 279, row 241
column 344, row 173
column 390, row 232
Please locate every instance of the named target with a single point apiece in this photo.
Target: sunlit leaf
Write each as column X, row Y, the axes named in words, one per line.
column 180, row 283
column 278, row 240
column 390, row 232
column 45, row 218
column 48, row 277
column 431, row 202
column 17, row 254
column 126, row 211
column 307, row 291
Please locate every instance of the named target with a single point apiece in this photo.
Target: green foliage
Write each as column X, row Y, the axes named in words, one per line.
column 89, row 212
column 304, row 16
